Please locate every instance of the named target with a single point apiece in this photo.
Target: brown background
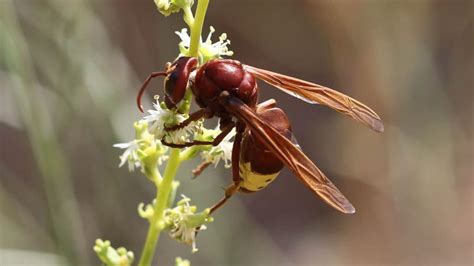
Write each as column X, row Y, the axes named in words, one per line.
column 69, row 74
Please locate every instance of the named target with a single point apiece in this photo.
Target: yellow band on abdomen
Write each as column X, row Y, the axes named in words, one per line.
column 254, row 181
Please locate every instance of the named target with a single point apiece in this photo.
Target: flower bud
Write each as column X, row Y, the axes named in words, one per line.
column 166, row 7
column 111, row 256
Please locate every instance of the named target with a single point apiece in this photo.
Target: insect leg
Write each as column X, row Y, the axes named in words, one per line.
column 232, row 189
column 205, row 112
column 229, row 192
column 200, row 168
column 218, row 139
column 144, row 85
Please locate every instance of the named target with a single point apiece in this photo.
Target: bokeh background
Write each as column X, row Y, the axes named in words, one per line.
column 69, row 73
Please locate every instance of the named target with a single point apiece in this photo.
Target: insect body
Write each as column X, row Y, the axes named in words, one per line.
column 262, row 145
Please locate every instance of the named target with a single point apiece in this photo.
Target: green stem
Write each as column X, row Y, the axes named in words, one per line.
column 165, row 187
column 162, row 196
column 189, row 153
column 188, row 17
column 196, row 29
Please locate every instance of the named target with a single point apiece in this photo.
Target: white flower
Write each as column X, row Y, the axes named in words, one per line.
column 130, row 154
column 207, row 49
column 160, row 117
column 184, row 36
column 157, row 119
column 185, row 223
column 223, row 151
column 217, row 49
column 186, row 234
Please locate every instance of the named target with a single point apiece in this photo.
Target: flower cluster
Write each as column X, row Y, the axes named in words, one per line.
column 207, row 49
column 144, row 151
column 147, row 152
column 152, row 129
column 185, row 223
column 161, row 117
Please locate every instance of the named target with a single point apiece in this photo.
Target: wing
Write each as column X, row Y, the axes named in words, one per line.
column 290, row 155
column 314, row 93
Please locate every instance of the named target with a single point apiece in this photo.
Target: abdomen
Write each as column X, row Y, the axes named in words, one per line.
column 253, row 181
column 259, row 166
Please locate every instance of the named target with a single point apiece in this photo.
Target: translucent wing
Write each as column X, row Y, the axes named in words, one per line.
column 314, row 93
column 290, row 155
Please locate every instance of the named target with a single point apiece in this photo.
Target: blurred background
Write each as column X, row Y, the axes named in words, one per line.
column 69, row 73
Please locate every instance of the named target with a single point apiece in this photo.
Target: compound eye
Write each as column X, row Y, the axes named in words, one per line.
column 170, row 85
column 177, row 80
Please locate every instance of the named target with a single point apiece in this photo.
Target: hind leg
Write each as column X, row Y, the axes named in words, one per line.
column 233, row 188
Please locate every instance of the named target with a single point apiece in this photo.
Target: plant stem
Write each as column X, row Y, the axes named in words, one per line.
column 188, row 17
column 165, row 186
column 162, row 196
column 196, row 29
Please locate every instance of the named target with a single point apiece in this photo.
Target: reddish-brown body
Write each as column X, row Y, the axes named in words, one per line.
column 223, row 75
column 256, row 161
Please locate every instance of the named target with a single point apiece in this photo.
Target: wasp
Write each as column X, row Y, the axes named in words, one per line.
column 264, row 142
